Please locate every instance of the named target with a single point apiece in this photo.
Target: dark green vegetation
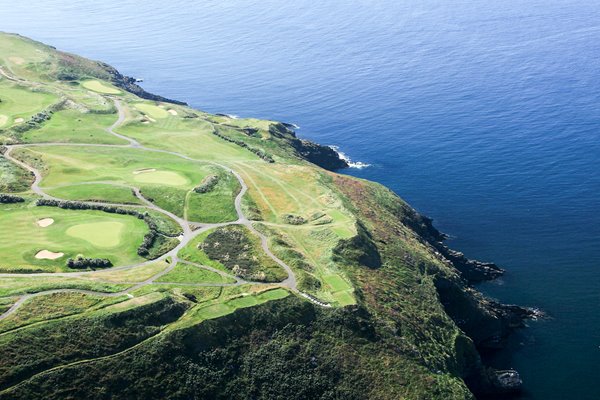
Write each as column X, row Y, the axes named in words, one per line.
column 286, row 349
column 239, row 251
column 322, row 286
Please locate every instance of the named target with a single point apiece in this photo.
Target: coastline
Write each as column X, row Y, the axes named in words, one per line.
column 486, row 322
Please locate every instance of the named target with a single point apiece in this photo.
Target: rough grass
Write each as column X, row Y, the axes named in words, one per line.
column 13, row 179
column 216, row 205
column 240, row 251
column 49, row 307
column 13, row 286
column 192, row 274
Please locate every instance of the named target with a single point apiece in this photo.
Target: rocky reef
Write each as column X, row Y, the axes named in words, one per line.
column 130, row 84
column 323, row 156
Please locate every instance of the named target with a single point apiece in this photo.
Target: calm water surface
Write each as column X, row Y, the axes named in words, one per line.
column 484, row 115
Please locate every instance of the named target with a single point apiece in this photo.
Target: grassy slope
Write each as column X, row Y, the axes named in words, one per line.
column 282, row 349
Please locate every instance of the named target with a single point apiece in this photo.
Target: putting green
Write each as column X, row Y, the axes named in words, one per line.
column 93, row 234
column 153, row 111
column 100, row 87
column 162, row 177
column 100, row 234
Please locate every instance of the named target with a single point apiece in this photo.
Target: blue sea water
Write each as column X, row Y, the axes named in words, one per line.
column 483, row 115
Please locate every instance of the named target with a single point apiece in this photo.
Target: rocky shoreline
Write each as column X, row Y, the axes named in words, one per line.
column 488, row 332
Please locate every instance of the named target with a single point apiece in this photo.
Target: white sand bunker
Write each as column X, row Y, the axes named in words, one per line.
column 44, row 222
column 19, row 120
column 48, row 255
column 172, row 112
column 16, row 60
column 141, row 171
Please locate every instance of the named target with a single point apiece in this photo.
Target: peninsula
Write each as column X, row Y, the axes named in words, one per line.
column 150, row 250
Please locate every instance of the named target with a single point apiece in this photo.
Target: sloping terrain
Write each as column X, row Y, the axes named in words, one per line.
column 150, row 250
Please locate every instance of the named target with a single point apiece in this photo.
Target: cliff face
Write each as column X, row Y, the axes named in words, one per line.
column 323, row 156
column 423, row 286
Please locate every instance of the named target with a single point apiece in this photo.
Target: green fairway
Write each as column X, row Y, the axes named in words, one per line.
column 169, row 178
column 20, row 102
column 189, row 136
column 340, row 289
column 100, row 87
column 73, row 126
column 163, row 178
column 93, row 234
column 152, row 110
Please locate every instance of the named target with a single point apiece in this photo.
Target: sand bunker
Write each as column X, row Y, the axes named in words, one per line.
column 141, row 171
column 16, row 60
column 44, row 222
column 172, row 112
column 48, row 255
column 19, row 120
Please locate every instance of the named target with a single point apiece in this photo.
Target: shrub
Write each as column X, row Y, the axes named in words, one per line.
column 9, row 199
column 207, row 184
column 93, row 263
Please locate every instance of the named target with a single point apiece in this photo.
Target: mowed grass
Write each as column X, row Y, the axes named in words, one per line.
column 93, row 234
column 100, row 87
column 73, row 126
column 190, row 136
column 152, row 110
column 94, row 192
column 100, row 234
column 21, row 102
column 340, row 289
column 163, row 178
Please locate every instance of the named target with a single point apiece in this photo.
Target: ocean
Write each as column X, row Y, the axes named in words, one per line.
column 483, row 115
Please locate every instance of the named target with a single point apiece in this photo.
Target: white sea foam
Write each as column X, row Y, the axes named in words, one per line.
column 351, row 164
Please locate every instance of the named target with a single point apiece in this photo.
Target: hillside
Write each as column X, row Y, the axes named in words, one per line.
column 151, row 250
